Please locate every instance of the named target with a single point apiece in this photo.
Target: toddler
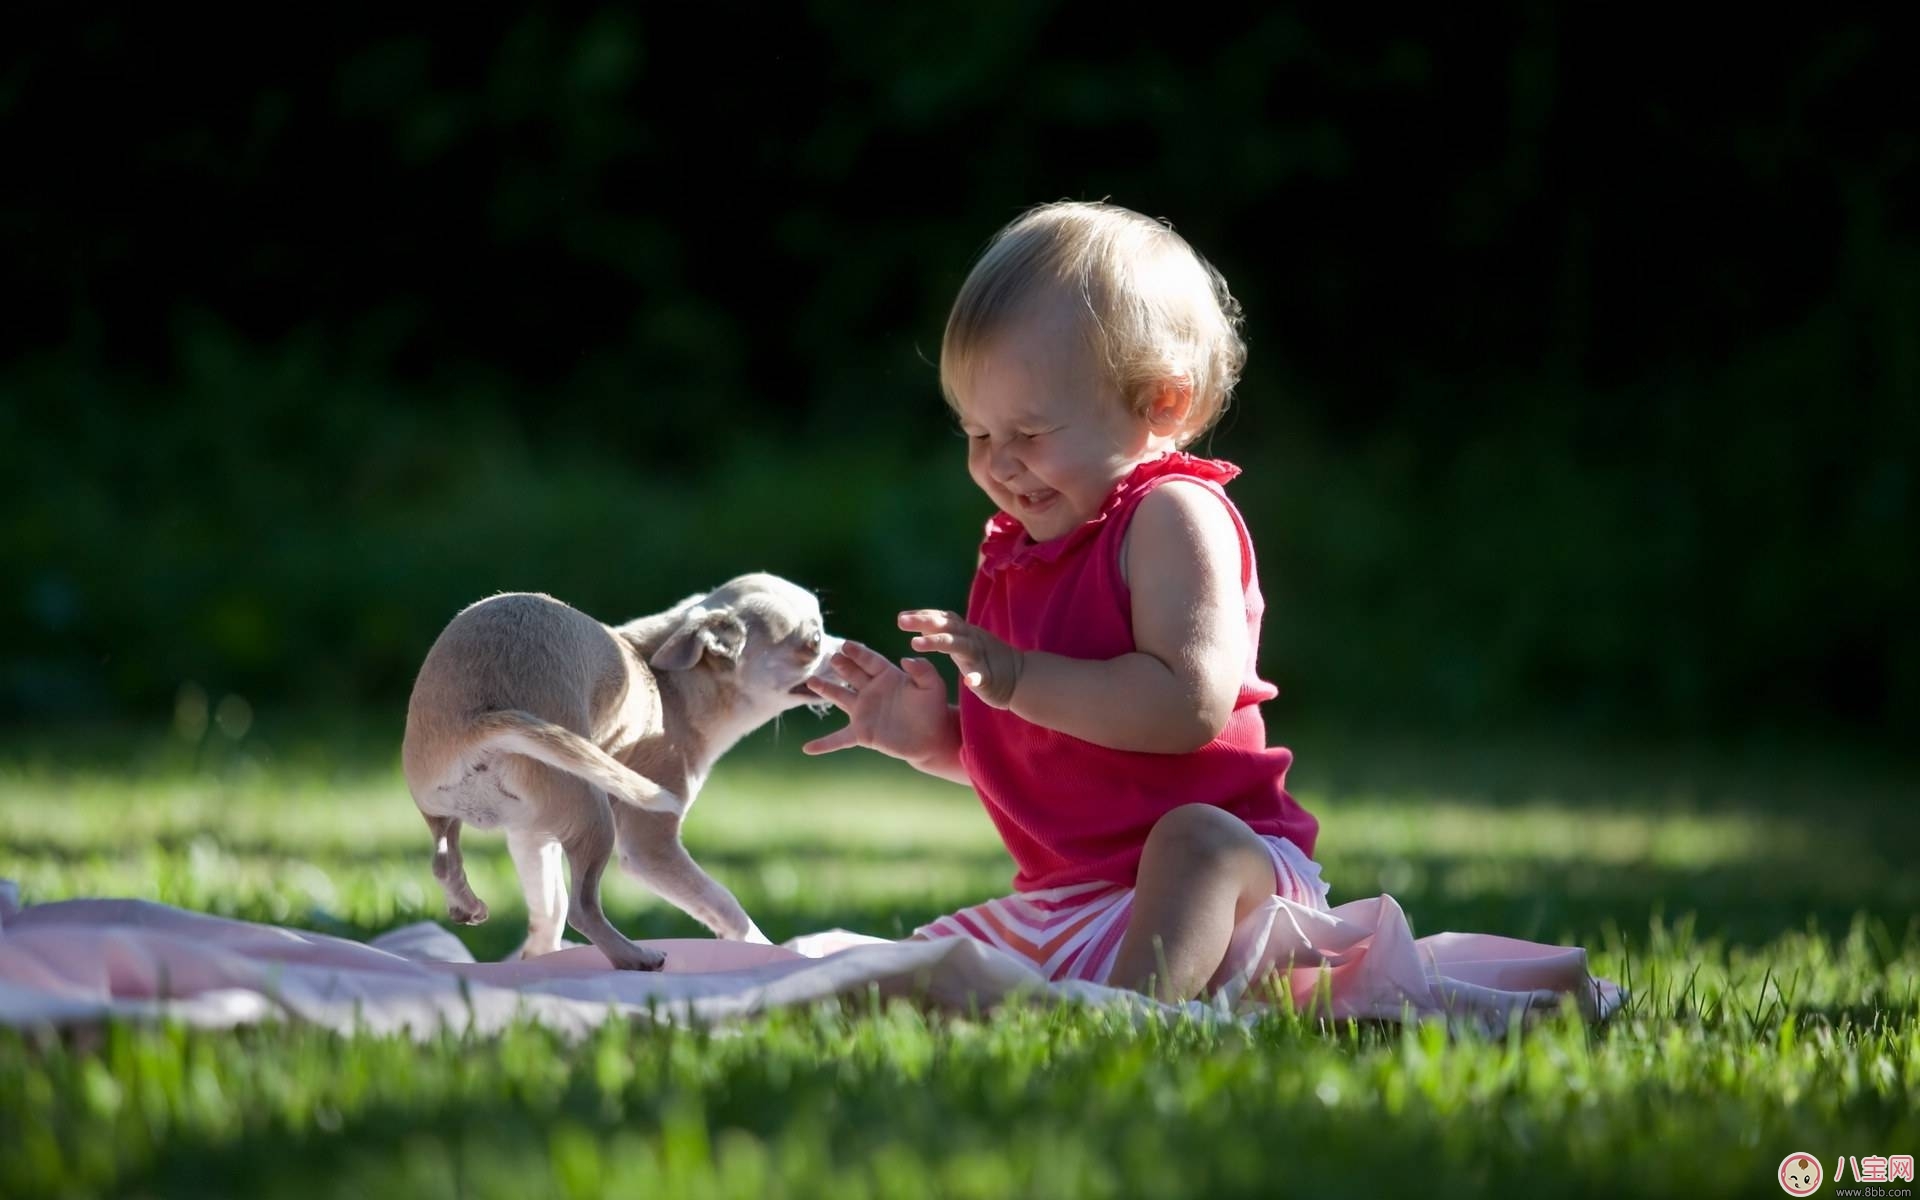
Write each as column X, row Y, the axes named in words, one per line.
column 1109, row 711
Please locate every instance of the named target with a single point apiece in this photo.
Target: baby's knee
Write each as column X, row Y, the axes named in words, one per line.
column 1201, row 836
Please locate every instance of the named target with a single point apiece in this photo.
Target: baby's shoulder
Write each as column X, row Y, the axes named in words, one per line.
column 1184, row 506
column 1179, row 525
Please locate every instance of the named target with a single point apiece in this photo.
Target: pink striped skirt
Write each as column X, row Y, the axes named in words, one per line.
column 1074, row 932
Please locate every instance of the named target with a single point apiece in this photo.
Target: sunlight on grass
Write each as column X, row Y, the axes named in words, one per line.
column 298, row 839
column 293, row 845
column 1558, row 833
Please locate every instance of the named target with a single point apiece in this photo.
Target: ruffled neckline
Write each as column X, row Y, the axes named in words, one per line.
column 1007, row 543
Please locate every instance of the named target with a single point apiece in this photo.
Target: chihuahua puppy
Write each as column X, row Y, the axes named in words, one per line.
column 577, row 737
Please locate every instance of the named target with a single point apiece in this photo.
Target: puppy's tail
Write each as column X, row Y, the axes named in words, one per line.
column 562, row 749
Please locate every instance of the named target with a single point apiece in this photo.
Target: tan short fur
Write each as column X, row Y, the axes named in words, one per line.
column 577, row 737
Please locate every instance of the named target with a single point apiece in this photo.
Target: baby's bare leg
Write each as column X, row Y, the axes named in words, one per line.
column 1202, row 870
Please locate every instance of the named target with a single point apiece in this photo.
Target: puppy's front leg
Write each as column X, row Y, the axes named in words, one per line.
column 451, row 870
column 651, row 852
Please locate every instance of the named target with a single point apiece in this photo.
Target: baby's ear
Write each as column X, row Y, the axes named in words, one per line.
column 1169, row 404
column 702, row 631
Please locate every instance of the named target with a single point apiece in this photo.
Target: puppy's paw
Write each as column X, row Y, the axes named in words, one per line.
column 467, row 914
column 637, row 958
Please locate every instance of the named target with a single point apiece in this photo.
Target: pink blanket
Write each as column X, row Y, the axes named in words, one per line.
column 78, row 962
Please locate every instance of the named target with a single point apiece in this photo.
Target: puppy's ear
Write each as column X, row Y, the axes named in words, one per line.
column 702, row 632
column 723, row 636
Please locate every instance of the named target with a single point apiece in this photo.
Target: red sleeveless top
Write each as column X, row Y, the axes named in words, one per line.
column 1070, row 811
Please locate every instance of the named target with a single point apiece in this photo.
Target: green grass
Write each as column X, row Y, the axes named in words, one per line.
column 1760, row 903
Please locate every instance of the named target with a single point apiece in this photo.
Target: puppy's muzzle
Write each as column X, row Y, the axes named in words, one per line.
column 822, row 670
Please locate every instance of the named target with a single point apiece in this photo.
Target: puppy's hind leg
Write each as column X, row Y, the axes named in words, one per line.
column 588, row 842
column 450, row 869
column 543, row 877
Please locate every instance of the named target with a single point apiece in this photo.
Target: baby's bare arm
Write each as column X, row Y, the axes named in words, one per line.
column 1174, row 693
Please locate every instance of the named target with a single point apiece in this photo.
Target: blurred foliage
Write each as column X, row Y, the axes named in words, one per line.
column 1584, row 376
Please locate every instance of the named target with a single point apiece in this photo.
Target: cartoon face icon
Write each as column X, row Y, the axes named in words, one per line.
column 1800, row 1174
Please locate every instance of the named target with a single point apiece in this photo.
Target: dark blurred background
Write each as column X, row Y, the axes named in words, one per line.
column 1585, row 347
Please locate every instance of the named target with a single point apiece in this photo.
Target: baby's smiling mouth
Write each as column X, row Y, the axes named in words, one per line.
column 1036, row 499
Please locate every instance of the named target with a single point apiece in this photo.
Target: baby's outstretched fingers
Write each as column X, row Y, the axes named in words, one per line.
column 834, row 692
column 922, row 673
column 988, row 666
column 842, row 738
column 855, row 662
column 898, row 710
column 931, row 620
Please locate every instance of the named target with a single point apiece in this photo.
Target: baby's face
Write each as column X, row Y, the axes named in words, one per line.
column 1047, row 437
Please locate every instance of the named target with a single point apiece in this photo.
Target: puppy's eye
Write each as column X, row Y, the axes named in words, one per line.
column 813, row 640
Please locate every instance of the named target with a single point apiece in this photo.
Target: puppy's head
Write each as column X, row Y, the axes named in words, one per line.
column 760, row 632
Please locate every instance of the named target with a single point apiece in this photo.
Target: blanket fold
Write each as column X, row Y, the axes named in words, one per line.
column 79, row 962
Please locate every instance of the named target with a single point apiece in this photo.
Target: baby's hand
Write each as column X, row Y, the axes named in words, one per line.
column 899, row 711
column 987, row 665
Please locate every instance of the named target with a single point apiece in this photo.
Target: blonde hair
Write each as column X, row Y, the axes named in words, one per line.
column 1155, row 311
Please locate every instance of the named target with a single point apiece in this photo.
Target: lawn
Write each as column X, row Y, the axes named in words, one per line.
column 1759, row 900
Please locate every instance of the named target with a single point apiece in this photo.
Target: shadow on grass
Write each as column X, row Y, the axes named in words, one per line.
column 437, row 1150
column 846, row 1103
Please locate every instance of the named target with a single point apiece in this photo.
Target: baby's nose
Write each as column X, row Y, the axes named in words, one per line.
column 1004, row 465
